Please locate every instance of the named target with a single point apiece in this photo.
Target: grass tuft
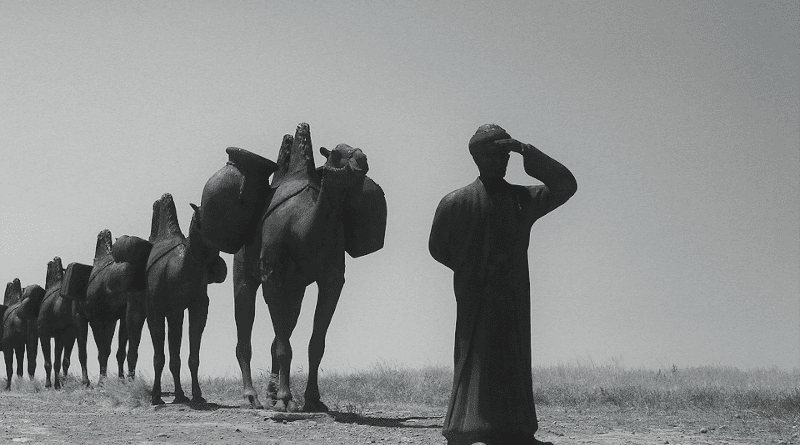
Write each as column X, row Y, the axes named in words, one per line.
column 126, row 393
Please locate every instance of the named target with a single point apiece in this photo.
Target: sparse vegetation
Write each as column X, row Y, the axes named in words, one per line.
column 582, row 386
column 579, row 386
column 769, row 391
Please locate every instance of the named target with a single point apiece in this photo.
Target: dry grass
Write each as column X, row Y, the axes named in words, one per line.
column 383, row 385
column 582, row 386
column 770, row 391
column 112, row 393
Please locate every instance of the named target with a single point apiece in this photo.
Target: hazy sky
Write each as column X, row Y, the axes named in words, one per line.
column 678, row 119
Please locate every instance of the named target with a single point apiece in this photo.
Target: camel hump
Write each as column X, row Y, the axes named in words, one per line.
column 165, row 220
column 296, row 170
column 13, row 293
column 103, row 246
column 55, row 271
column 284, row 154
column 300, row 159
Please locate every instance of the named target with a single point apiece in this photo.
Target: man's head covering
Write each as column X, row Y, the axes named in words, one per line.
column 483, row 138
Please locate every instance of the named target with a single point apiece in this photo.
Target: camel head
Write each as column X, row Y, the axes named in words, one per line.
column 13, row 293
column 103, row 246
column 55, row 272
column 345, row 166
column 32, row 298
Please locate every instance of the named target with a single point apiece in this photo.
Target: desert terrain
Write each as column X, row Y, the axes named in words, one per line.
column 113, row 414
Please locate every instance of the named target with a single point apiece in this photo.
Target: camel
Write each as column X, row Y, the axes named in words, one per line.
column 12, row 297
column 59, row 319
column 17, row 330
column 115, row 291
column 178, row 272
column 302, row 237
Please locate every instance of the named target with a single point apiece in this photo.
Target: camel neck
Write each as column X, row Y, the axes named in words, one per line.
column 197, row 250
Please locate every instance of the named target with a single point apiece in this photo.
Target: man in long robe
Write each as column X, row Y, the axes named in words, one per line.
column 482, row 232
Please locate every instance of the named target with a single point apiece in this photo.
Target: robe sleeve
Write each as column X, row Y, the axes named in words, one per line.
column 454, row 225
column 440, row 243
column 559, row 183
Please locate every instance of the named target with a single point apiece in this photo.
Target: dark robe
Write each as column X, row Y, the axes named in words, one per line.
column 482, row 232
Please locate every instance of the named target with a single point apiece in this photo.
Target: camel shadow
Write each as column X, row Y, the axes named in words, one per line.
column 205, row 406
column 210, row 406
column 195, row 406
column 388, row 422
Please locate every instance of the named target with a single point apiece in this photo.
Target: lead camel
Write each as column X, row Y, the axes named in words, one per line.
column 313, row 217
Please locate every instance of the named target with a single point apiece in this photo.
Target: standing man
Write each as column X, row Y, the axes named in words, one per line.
column 482, row 232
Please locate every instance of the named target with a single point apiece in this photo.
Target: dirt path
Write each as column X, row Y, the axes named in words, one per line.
column 50, row 419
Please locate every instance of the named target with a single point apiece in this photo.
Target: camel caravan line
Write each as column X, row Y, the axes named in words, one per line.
column 285, row 233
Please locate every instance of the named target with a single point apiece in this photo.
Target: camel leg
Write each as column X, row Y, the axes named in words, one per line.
column 100, row 331
column 284, row 310
column 31, row 347
column 330, row 288
column 174, row 337
column 8, row 354
column 19, row 351
column 68, row 342
column 82, row 337
column 155, row 324
column 244, row 302
column 59, row 349
column 121, row 345
column 48, row 364
column 272, row 385
column 134, row 321
column 198, row 315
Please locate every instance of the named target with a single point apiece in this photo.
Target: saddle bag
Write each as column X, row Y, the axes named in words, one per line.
column 233, row 200
column 131, row 249
column 76, row 281
column 364, row 218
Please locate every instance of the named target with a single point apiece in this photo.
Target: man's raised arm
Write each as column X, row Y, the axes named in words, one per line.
column 559, row 182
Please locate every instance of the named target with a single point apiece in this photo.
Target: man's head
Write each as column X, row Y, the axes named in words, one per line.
column 491, row 158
